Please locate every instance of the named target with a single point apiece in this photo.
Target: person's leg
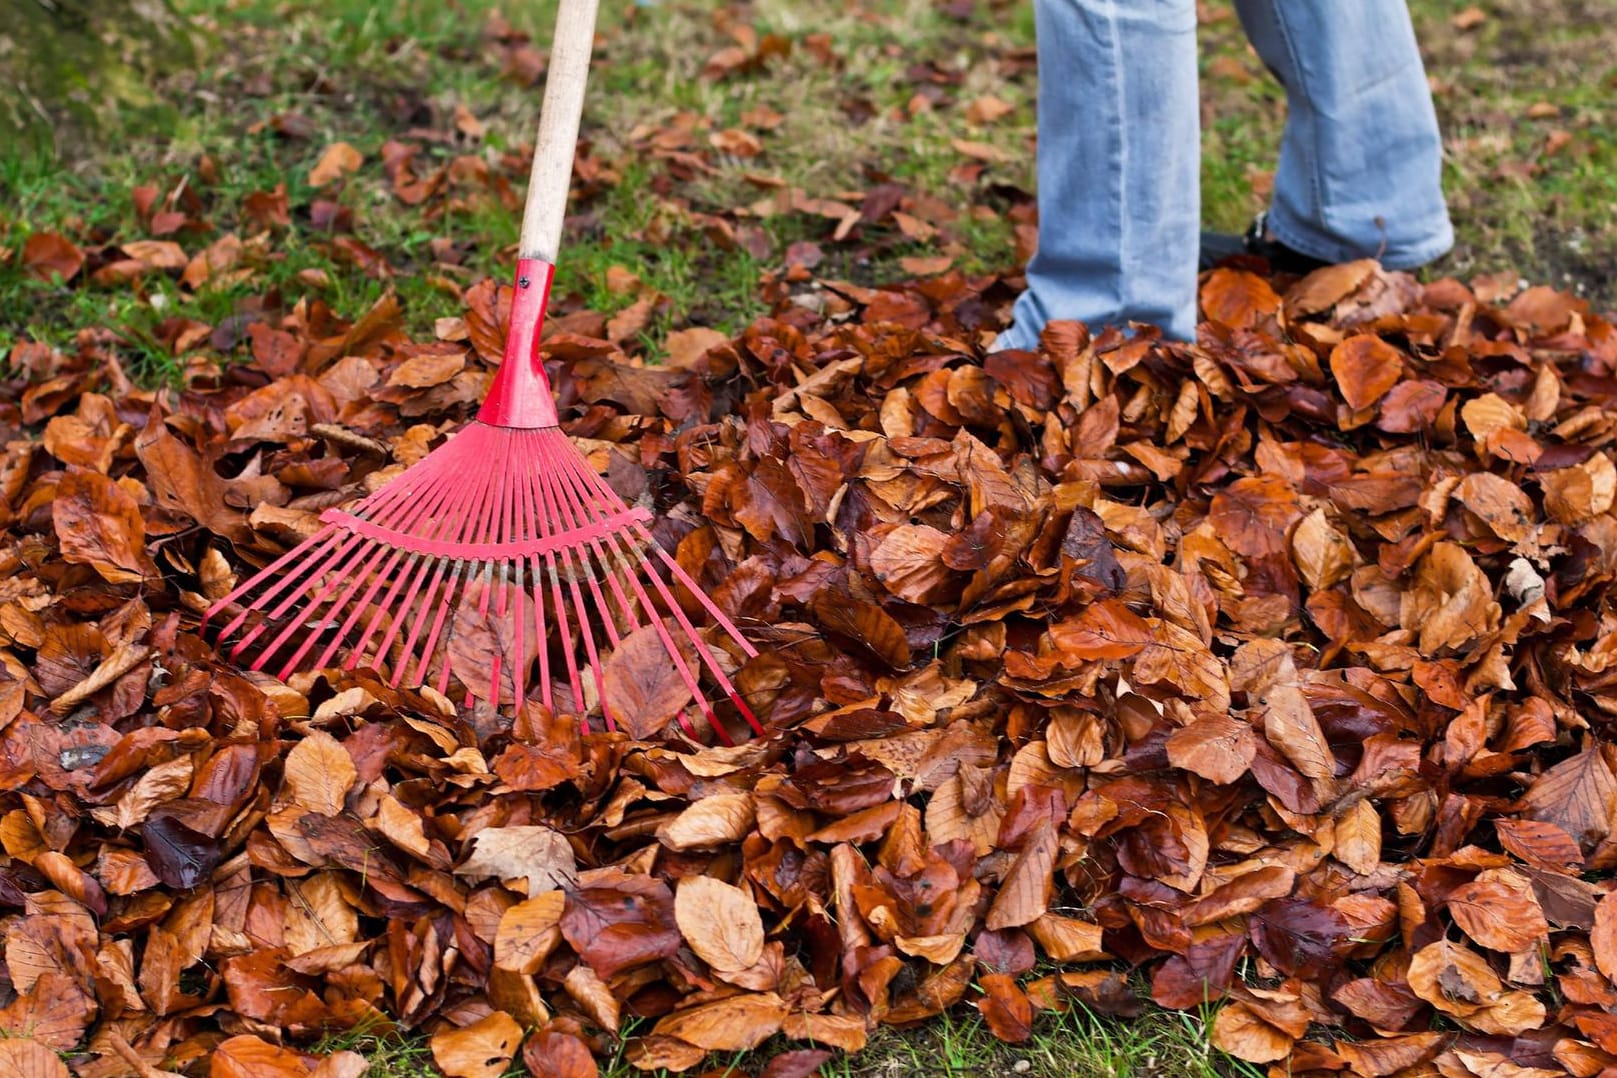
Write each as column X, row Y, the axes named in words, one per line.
column 1119, row 167
column 1360, row 173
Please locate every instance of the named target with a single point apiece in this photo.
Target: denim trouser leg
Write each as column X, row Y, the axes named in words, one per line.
column 1119, row 163
column 1119, row 156
column 1360, row 172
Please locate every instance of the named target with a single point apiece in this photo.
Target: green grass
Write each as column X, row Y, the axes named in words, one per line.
column 1076, row 1044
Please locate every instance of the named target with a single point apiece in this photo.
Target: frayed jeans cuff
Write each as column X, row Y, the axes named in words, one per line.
column 1405, row 257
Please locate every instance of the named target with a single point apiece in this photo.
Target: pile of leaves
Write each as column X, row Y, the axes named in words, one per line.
column 1273, row 671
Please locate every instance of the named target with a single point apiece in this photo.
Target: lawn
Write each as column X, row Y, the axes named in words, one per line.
column 728, row 153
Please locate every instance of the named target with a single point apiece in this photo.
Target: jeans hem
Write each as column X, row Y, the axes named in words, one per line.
column 1404, row 257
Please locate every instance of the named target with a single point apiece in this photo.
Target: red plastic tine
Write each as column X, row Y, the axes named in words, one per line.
column 590, row 510
column 459, row 583
column 303, row 581
column 413, row 613
column 530, row 514
column 408, row 514
column 324, row 539
column 256, row 579
column 455, row 527
column 435, row 492
column 564, row 510
column 486, row 523
column 580, row 473
column 554, row 513
column 378, row 578
column 606, row 493
column 360, row 573
column 514, row 530
column 547, row 529
column 571, row 520
column 424, row 568
column 356, row 656
column 305, row 551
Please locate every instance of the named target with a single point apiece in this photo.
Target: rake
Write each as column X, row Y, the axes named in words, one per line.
column 503, row 548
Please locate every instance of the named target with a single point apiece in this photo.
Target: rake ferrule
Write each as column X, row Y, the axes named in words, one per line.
column 520, row 396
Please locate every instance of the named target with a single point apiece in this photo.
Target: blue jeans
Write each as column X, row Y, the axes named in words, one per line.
column 1119, row 152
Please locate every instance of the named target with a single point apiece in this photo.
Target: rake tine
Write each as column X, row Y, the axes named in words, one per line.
column 584, row 503
column 432, row 568
column 421, row 608
column 454, row 589
column 558, row 604
column 434, row 492
column 434, row 495
column 357, row 655
column 458, row 531
column 322, row 591
column 412, row 612
column 700, row 645
column 361, row 573
column 577, row 504
column 377, row 578
column 327, row 537
column 562, row 508
column 530, row 517
column 580, row 607
column 304, row 580
column 496, row 527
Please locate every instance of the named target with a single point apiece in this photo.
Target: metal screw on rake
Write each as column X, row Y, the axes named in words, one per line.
column 503, row 535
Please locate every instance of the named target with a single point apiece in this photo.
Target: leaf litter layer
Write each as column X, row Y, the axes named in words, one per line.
column 1277, row 668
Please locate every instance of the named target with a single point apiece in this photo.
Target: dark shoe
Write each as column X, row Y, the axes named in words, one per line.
column 1217, row 247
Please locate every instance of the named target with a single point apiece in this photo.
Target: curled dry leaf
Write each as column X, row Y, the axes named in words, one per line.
column 336, row 160
column 252, row 1057
column 99, row 524
column 736, row 1024
column 1242, row 1032
column 540, row 855
column 480, row 1050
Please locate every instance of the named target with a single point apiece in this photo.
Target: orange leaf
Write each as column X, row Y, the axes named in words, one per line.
column 1238, row 299
column 98, row 524
column 1365, row 367
column 339, row 158
column 480, row 1050
column 1105, row 630
column 1005, row 1008
column 50, row 254
column 1499, row 911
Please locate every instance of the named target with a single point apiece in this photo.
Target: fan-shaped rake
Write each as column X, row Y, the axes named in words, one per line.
column 502, row 549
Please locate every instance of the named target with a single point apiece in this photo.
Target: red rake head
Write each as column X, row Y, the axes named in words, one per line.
column 499, row 551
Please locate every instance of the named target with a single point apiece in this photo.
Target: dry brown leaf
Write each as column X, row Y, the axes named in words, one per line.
column 319, row 774
column 480, row 1050
column 540, row 855
column 720, row 923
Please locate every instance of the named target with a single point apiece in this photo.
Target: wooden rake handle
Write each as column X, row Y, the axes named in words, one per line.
column 558, row 131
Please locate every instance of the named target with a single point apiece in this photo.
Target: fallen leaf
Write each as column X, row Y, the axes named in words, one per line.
column 481, row 1050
